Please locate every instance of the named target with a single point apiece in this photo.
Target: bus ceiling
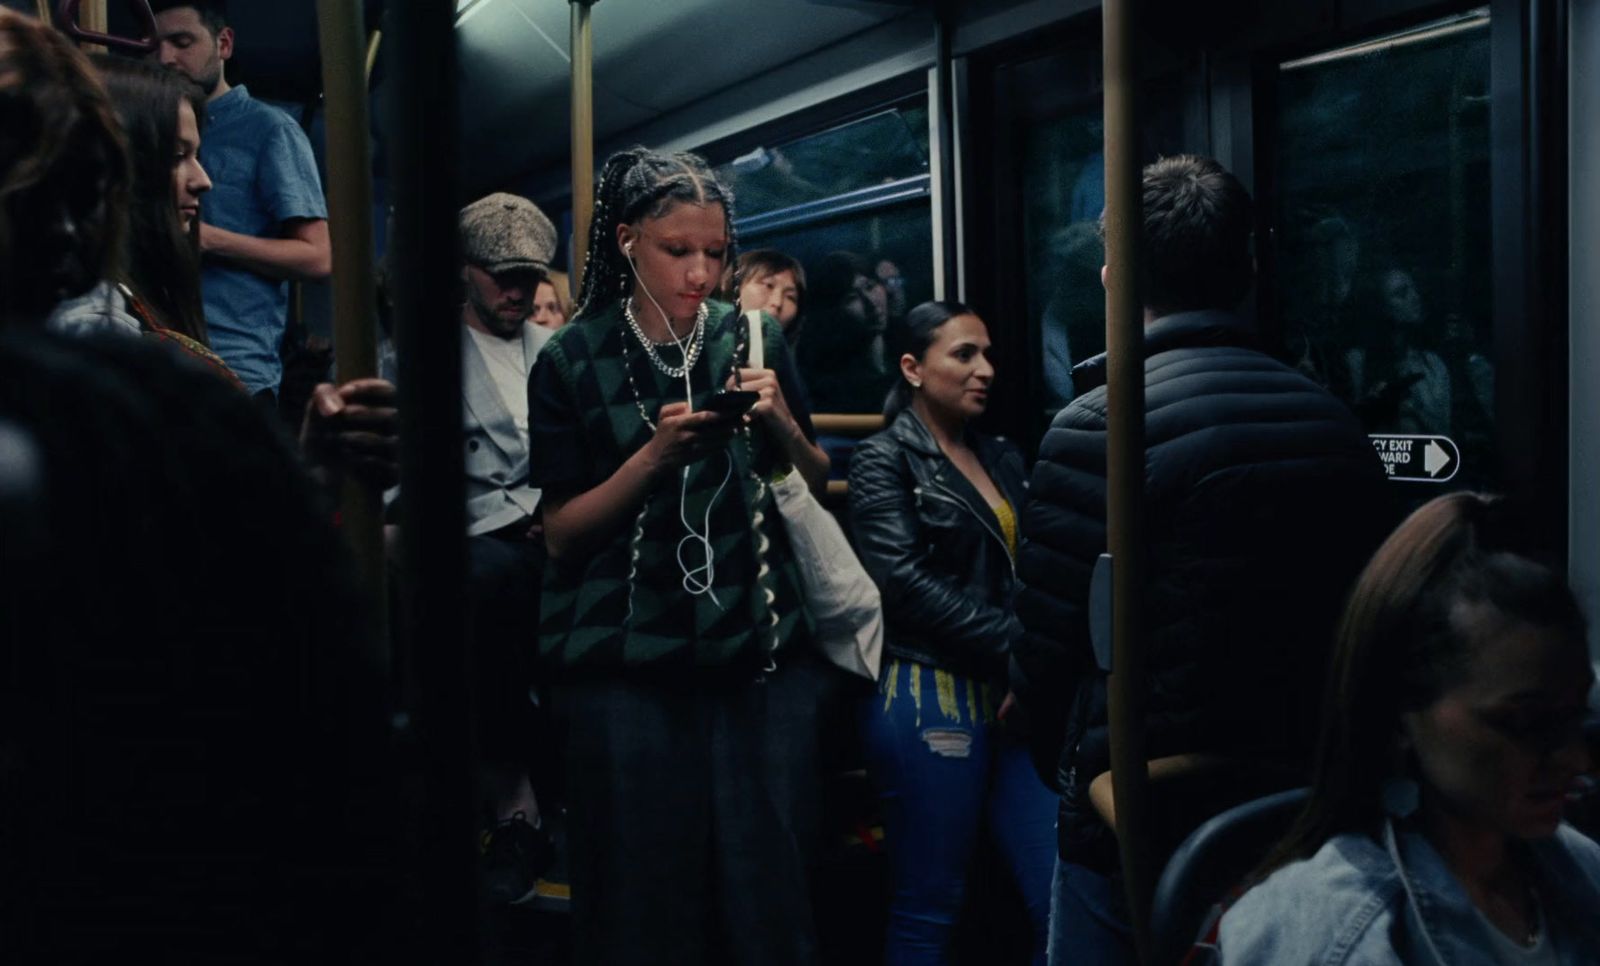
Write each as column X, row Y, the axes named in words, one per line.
column 516, row 61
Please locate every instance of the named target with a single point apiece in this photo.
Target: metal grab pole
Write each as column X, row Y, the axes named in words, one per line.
column 374, row 41
column 1125, row 464
column 582, row 135
column 92, row 17
column 944, row 96
column 355, row 328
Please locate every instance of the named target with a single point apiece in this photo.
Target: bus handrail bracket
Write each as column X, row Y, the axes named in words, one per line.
column 67, row 20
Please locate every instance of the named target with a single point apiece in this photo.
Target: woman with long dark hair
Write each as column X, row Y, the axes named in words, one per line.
column 933, row 504
column 1399, row 383
column 847, row 318
column 1451, row 742
column 155, row 287
column 155, row 280
column 671, row 594
column 161, row 113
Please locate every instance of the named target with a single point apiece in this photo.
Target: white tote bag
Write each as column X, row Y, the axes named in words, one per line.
column 841, row 597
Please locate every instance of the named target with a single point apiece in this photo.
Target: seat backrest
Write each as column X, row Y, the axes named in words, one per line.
column 1213, row 859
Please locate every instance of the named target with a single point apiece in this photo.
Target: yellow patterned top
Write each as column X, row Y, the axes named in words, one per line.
column 1008, row 524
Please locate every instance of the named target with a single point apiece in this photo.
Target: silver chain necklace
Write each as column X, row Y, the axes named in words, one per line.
column 696, row 340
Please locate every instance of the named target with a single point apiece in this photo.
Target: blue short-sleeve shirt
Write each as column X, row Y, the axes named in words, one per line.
column 262, row 174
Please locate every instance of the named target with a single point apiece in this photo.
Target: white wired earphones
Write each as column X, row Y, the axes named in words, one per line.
column 697, row 580
column 1392, row 845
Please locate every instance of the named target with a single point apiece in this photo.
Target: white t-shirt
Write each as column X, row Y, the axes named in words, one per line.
column 509, row 368
column 1545, row 951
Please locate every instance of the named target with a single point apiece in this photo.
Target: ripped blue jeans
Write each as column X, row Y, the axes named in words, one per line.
column 946, row 772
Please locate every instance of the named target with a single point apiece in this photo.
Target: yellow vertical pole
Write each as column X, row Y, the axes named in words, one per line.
column 355, row 338
column 1127, row 687
column 582, row 136
column 92, row 16
column 374, row 41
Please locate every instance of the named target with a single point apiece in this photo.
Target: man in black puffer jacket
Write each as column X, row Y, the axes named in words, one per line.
column 1263, row 499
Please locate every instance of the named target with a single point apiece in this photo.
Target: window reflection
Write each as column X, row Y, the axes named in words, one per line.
column 888, row 146
column 852, row 205
column 1384, row 274
column 1062, row 195
column 1064, row 182
column 862, row 272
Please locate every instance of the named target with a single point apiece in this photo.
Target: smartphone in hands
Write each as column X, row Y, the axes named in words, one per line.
column 731, row 402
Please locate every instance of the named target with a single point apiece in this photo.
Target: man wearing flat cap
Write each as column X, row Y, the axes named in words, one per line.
column 506, row 247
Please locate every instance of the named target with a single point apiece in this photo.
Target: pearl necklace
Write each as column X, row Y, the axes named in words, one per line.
column 696, row 340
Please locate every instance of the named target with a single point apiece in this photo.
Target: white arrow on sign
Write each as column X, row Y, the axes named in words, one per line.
column 1434, row 458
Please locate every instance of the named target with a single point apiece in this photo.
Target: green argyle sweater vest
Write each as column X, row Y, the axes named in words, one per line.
column 626, row 606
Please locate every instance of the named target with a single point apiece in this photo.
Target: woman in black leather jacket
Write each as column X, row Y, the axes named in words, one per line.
column 933, row 508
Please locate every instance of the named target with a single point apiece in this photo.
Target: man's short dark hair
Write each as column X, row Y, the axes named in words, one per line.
column 1197, row 222
column 213, row 13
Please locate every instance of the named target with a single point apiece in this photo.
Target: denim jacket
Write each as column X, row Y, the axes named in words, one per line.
column 1364, row 901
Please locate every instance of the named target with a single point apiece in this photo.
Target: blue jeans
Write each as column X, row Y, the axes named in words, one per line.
column 945, row 770
column 1088, row 922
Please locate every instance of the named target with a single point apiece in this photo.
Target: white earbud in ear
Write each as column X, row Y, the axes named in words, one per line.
column 627, row 249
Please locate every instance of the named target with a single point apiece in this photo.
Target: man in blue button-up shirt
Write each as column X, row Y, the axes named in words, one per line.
column 265, row 221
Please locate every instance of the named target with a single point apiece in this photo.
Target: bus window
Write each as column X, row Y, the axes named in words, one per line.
column 888, row 146
column 1064, row 175
column 1383, row 272
column 852, row 204
column 1058, row 100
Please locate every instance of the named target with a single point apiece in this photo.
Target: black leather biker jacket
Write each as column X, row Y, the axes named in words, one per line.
column 936, row 549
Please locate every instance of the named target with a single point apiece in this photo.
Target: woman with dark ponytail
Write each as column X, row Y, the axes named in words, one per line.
column 671, row 594
column 933, row 505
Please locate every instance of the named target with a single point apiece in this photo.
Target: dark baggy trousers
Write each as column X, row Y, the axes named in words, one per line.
column 680, row 851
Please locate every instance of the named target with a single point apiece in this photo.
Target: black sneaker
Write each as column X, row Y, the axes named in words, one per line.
column 514, row 853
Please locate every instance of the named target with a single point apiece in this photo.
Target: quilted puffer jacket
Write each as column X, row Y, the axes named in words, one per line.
column 1263, row 500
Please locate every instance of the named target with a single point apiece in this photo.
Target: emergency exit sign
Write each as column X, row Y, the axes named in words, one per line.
column 1417, row 459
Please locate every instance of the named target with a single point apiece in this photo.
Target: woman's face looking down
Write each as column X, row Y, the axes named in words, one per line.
column 1502, row 747
column 677, row 257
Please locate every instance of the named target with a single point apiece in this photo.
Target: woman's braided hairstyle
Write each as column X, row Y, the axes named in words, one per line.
column 641, row 183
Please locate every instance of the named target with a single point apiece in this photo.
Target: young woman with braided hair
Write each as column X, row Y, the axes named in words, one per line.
column 671, row 598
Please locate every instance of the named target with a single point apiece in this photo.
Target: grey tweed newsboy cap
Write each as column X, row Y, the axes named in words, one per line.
column 503, row 232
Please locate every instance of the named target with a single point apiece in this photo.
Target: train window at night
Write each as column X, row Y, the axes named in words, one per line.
column 1384, row 272
column 1064, row 175
column 887, row 146
column 1062, row 195
column 852, row 205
